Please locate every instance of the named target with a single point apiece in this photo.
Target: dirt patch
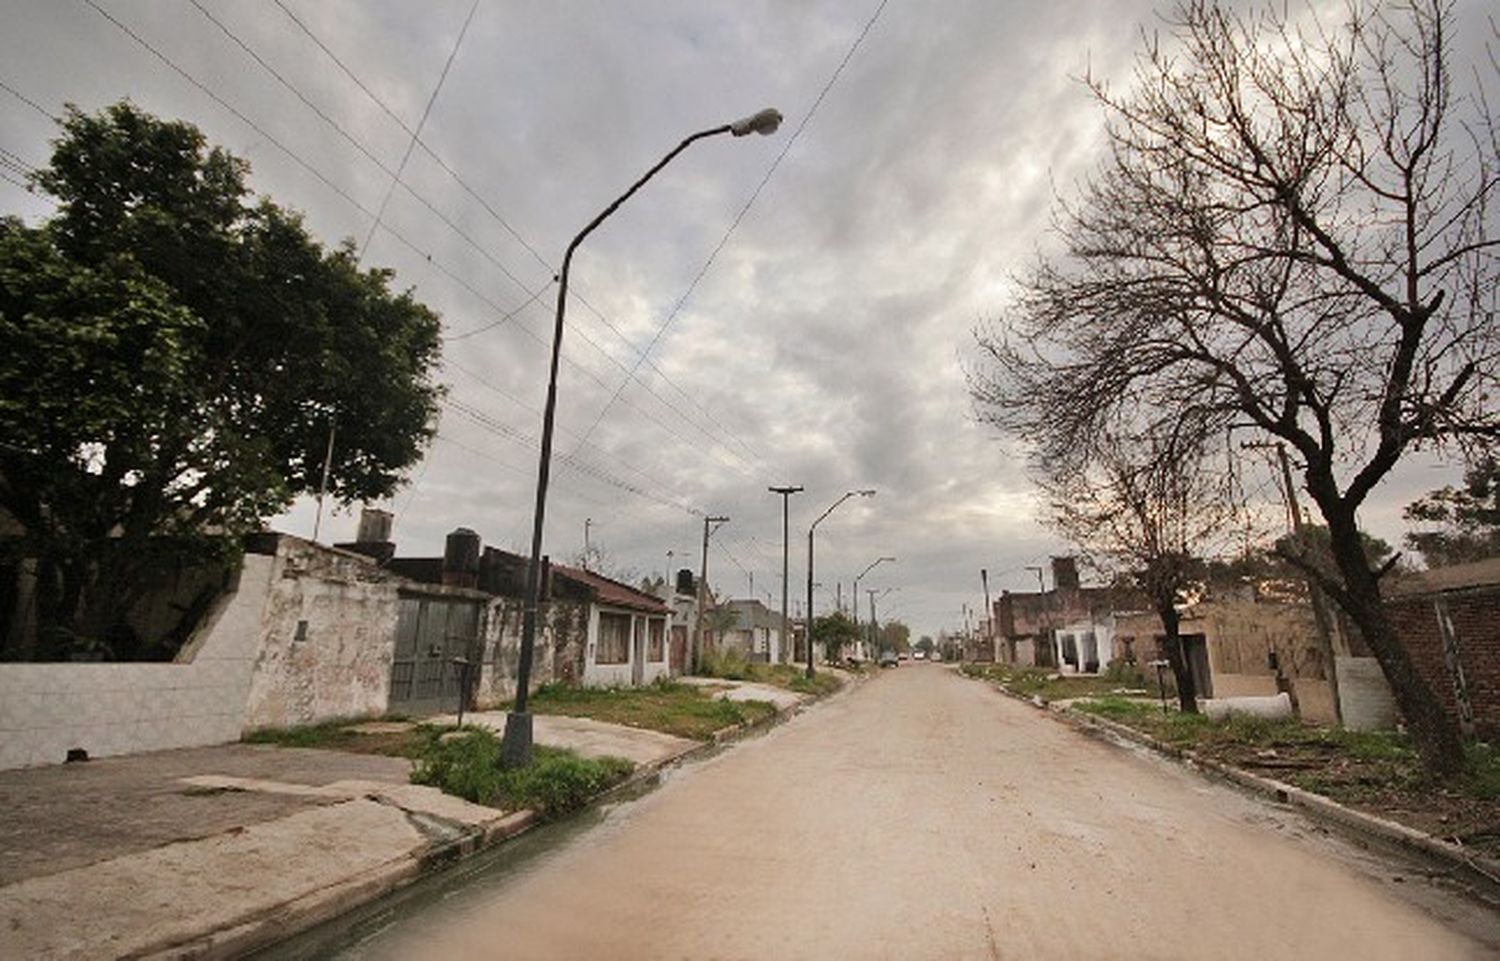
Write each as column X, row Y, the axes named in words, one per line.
column 1378, row 773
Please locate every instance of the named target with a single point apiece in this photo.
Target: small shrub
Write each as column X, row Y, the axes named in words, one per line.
column 730, row 664
column 1483, row 776
column 554, row 783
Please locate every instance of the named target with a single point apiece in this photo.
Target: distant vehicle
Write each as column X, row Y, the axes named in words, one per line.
column 918, row 656
column 902, row 655
column 888, row 659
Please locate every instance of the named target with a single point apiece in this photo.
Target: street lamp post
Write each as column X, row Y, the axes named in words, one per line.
column 786, row 493
column 807, row 622
column 878, row 561
column 515, row 748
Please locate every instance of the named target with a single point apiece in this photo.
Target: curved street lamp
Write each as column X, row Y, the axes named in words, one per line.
column 515, row 748
column 808, row 624
column 873, row 564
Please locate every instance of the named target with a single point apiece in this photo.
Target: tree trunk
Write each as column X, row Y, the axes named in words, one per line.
column 1187, row 693
column 1436, row 734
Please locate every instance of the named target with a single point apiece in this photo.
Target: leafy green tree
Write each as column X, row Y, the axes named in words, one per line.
column 925, row 645
column 834, row 631
column 895, row 636
column 173, row 356
column 1459, row 524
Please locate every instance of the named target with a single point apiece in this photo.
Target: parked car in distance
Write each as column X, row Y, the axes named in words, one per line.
column 888, row 659
column 918, row 656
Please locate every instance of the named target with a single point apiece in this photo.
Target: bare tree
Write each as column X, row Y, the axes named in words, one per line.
column 1291, row 233
column 1149, row 510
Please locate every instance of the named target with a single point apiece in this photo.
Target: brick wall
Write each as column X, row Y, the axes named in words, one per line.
column 1475, row 612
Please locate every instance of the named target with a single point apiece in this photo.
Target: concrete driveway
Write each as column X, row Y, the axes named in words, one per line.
column 926, row 816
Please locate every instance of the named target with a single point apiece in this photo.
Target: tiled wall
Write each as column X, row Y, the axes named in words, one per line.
column 105, row 709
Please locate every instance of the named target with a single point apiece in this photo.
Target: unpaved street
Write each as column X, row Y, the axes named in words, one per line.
column 925, row 816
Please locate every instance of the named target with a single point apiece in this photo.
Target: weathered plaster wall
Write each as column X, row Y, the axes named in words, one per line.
column 558, row 656
column 1241, row 634
column 108, row 709
column 326, row 639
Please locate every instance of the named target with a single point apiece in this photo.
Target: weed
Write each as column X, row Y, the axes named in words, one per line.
column 664, row 705
column 555, row 782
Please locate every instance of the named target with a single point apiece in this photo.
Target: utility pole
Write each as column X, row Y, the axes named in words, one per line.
column 989, row 616
column 1043, row 621
column 1314, row 593
column 874, row 634
column 695, row 642
column 786, row 629
column 587, row 549
column 333, row 426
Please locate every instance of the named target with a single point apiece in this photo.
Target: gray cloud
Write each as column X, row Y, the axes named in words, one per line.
column 823, row 346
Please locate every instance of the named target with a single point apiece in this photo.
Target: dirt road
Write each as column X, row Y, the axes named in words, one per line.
column 925, row 816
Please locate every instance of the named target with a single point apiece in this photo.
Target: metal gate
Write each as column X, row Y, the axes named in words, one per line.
column 431, row 632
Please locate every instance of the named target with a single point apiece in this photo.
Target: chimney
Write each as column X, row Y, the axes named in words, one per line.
column 1065, row 573
column 461, row 559
column 374, row 526
column 374, row 537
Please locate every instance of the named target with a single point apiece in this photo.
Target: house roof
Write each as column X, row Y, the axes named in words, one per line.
column 1485, row 573
column 612, row 592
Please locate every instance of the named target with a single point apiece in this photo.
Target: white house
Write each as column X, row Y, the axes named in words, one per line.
column 627, row 632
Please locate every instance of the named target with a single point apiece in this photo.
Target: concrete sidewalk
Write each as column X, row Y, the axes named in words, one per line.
column 214, row 852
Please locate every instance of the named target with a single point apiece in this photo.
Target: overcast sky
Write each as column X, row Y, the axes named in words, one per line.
column 823, row 344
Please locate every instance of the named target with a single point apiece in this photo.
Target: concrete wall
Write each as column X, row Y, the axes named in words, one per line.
column 107, row 709
column 326, row 638
column 1365, row 695
column 306, row 635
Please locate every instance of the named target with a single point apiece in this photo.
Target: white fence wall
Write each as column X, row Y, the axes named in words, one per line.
column 105, row 709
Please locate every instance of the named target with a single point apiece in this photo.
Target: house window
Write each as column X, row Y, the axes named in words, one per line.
column 658, row 649
column 614, row 639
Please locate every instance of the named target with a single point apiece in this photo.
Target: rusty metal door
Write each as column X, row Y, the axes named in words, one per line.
column 431, row 632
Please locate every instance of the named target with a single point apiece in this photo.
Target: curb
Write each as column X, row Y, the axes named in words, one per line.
column 286, row 920
column 1481, row 874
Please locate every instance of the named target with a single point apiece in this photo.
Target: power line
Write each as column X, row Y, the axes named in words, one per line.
column 29, row 102
column 734, row 224
column 577, row 464
column 293, row 155
column 488, row 208
column 488, row 385
column 426, row 112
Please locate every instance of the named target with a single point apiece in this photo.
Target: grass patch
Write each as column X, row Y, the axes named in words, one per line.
column 666, row 706
column 556, row 781
column 1049, row 685
column 732, row 665
column 1375, row 771
column 339, row 735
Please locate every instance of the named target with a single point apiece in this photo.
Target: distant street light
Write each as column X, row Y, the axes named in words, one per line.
column 515, row 748
column 873, row 564
column 807, row 622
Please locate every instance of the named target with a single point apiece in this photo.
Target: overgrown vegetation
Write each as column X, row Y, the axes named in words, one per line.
column 1378, row 771
column 1049, row 685
column 667, row 706
column 397, row 740
column 733, row 665
column 467, row 764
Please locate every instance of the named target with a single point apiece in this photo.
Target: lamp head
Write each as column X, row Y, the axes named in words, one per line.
column 888, row 559
column 764, row 122
column 866, row 493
